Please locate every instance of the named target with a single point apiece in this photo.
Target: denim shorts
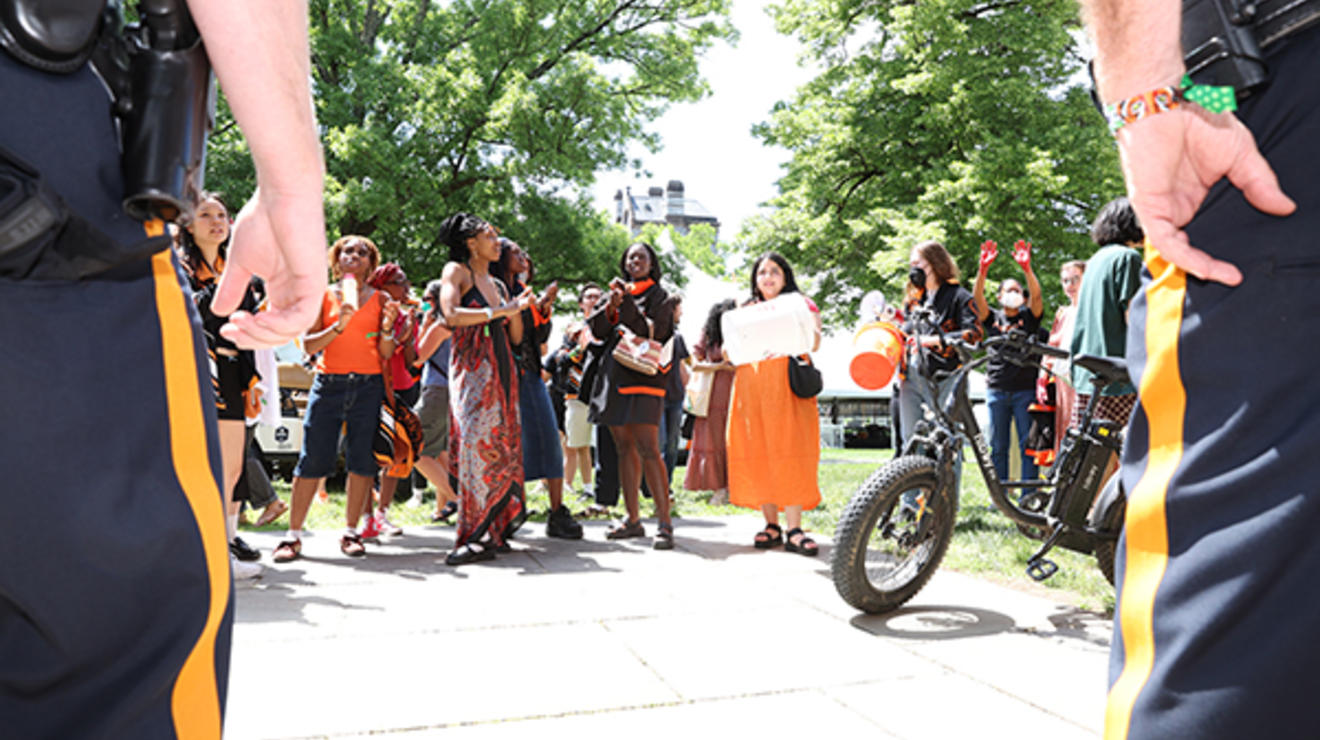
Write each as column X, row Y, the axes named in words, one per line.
column 350, row 402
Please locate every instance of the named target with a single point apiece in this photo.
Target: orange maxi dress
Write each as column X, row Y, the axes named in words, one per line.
column 773, row 442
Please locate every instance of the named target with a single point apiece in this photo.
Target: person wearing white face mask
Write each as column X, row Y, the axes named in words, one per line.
column 1010, row 389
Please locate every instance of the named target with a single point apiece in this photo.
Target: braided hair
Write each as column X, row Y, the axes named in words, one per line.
column 456, row 230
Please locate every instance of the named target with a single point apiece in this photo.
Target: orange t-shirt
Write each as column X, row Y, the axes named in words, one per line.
column 354, row 350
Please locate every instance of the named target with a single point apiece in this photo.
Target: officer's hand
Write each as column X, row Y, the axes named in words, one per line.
column 1170, row 161
column 281, row 238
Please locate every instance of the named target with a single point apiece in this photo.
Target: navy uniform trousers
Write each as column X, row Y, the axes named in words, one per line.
column 115, row 596
column 1219, row 603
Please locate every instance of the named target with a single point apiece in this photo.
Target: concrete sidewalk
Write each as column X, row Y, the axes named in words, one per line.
column 611, row 639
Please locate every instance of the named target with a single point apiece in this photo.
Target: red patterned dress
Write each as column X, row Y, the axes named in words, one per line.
column 485, row 444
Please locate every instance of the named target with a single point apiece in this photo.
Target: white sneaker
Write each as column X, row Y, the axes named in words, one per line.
column 385, row 526
column 244, row 571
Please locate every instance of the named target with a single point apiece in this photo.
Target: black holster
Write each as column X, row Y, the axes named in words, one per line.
column 158, row 73
column 41, row 238
column 164, row 132
column 1225, row 41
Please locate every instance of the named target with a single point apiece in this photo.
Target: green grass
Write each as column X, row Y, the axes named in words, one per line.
column 985, row 542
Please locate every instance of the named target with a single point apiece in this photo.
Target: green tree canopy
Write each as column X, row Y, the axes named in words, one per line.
column 504, row 108
column 957, row 120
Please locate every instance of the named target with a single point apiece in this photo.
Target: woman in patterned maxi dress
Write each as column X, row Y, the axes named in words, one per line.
column 484, row 442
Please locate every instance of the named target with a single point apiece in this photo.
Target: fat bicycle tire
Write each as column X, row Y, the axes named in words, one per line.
column 873, row 507
column 1105, row 550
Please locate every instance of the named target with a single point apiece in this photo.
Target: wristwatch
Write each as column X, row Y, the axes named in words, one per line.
column 490, row 314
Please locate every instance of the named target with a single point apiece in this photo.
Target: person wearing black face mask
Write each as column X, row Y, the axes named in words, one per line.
column 1010, row 389
column 933, row 284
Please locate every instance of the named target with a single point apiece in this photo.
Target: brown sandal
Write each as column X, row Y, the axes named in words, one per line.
column 626, row 530
column 351, row 545
column 771, row 536
column 287, row 551
column 274, row 510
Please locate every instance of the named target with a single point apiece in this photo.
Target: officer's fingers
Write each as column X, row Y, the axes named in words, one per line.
column 1173, row 245
column 231, row 288
column 243, row 331
column 1254, row 176
column 271, row 327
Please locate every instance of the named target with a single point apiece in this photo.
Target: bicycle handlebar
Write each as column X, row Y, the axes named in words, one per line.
column 1021, row 341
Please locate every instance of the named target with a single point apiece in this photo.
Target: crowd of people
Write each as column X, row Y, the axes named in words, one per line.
column 1042, row 404
column 496, row 409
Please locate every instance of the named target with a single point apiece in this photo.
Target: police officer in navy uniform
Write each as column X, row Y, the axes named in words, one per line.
column 115, row 596
column 1217, row 601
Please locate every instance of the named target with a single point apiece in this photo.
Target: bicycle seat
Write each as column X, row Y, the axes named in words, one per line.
column 1108, row 369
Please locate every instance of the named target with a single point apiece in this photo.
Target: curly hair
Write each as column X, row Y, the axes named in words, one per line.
column 373, row 254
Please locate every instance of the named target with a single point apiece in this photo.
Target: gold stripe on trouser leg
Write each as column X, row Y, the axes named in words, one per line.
column 1164, row 401
column 196, row 699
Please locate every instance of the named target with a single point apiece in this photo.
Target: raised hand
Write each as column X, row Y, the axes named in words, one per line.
column 989, row 251
column 547, row 301
column 1022, row 253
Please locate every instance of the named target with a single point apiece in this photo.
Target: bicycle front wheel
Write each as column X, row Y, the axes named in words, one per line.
column 892, row 535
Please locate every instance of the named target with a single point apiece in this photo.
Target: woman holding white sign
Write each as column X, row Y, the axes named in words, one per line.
column 628, row 391
column 773, row 442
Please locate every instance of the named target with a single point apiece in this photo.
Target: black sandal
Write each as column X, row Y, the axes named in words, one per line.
column 472, row 552
column 518, row 520
column 626, row 530
column 664, row 537
column 445, row 513
column 805, row 545
column 765, row 540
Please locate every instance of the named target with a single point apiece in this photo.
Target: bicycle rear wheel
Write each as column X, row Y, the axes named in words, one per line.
column 892, row 535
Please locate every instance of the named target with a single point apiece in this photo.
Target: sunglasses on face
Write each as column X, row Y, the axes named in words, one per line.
column 359, row 249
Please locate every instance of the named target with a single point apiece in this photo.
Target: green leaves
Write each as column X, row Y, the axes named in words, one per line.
column 504, row 108
column 949, row 119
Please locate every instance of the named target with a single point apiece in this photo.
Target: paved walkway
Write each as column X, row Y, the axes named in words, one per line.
column 603, row 639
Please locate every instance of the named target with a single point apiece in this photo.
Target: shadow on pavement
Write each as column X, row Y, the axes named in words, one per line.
column 934, row 623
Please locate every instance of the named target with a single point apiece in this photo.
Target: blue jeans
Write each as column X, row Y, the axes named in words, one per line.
column 912, row 392
column 1007, row 407
column 670, row 421
column 351, row 401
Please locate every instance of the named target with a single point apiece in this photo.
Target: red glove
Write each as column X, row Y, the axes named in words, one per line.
column 989, row 250
column 1022, row 253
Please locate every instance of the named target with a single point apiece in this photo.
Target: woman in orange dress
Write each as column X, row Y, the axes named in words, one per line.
column 773, row 441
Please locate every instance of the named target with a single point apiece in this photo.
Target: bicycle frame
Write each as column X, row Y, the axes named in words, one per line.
column 955, row 415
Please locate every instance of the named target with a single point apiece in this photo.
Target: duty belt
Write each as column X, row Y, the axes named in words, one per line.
column 1224, row 41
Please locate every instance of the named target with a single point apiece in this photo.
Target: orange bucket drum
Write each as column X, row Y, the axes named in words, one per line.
column 878, row 350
